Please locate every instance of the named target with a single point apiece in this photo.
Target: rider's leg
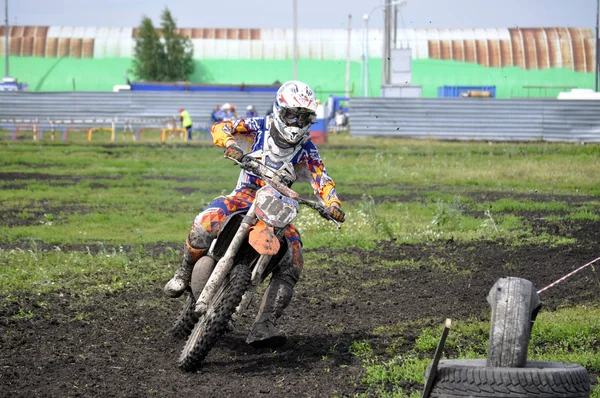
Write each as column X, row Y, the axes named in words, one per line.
column 264, row 331
column 196, row 245
column 199, row 239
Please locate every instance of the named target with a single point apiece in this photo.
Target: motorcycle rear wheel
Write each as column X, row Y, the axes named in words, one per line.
column 214, row 323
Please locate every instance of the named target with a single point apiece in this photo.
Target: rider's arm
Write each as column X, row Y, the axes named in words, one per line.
column 323, row 185
column 228, row 132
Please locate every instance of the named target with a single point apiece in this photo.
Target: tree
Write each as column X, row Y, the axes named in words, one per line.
column 148, row 53
column 179, row 52
column 166, row 59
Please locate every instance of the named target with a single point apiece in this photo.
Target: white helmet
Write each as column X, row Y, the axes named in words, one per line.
column 294, row 110
column 225, row 106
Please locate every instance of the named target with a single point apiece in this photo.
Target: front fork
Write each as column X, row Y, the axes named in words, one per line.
column 225, row 264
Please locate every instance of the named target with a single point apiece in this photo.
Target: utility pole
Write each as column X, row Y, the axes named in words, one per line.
column 6, row 39
column 395, row 31
column 348, row 56
column 387, row 30
column 597, row 55
column 295, row 39
column 365, row 84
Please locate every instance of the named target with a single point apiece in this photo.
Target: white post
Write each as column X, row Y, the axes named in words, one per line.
column 348, row 56
column 386, row 34
column 385, row 52
column 6, row 40
column 366, row 76
column 596, row 45
column 295, row 39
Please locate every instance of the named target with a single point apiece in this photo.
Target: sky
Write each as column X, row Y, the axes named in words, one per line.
column 311, row 13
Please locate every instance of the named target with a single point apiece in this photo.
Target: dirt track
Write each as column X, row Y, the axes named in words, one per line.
column 123, row 348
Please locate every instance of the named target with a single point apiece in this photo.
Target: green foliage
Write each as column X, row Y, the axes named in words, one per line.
column 148, row 53
column 571, row 335
column 141, row 194
column 104, row 270
column 169, row 59
column 178, row 63
column 383, row 378
column 361, row 348
column 567, row 335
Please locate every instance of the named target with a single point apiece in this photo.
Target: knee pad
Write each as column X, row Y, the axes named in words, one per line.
column 290, row 265
column 196, row 244
column 199, row 238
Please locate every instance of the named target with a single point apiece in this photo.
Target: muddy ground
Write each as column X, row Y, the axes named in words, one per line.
column 120, row 348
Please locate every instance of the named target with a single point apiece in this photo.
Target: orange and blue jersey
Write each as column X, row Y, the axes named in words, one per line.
column 250, row 135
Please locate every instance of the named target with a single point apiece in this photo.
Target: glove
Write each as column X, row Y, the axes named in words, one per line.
column 235, row 152
column 336, row 213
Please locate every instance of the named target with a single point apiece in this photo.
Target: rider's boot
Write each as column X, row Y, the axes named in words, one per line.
column 179, row 282
column 264, row 332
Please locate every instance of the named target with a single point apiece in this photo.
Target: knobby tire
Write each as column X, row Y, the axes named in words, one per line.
column 472, row 378
column 213, row 324
column 184, row 324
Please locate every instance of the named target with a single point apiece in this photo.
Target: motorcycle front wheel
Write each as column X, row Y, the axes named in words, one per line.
column 184, row 324
column 213, row 324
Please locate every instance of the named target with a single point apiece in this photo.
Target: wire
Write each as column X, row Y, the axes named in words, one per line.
column 566, row 276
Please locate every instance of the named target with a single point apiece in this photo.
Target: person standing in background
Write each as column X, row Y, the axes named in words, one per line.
column 232, row 114
column 251, row 112
column 186, row 122
column 214, row 115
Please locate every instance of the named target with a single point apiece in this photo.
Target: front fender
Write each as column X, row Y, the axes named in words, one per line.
column 263, row 239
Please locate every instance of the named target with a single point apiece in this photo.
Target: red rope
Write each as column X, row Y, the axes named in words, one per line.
column 566, row 276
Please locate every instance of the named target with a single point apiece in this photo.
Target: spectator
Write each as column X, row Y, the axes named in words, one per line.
column 341, row 119
column 222, row 113
column 232, row 114
column 186, row 122
column 251, row 112
column 213, row 115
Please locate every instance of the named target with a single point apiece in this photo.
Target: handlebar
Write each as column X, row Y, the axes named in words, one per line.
column 260, row 170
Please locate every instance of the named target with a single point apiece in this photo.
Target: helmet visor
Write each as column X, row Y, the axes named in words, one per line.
column 297, row 116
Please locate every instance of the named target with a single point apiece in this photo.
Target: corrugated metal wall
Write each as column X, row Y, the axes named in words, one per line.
column 124, row 105
column 527, row 48
column 423, row 118
column 476, row 119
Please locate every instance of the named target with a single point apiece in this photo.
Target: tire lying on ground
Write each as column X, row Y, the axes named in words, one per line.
column 471, row 378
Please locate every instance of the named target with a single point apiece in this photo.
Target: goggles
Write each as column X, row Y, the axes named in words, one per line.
column 301, row 117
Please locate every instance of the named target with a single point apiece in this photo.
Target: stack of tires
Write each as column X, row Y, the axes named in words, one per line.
column 506, row 371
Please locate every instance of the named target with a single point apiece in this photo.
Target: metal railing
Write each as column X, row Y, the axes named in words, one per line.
column 484, row 119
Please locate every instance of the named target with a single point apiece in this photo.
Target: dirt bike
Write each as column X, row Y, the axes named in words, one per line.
column 247, row 249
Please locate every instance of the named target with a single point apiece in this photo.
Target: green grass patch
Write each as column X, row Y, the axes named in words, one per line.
column 149, row 193
column 36, row 271
column 567, row 335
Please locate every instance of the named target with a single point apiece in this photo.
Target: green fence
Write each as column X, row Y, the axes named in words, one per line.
column 325, row 76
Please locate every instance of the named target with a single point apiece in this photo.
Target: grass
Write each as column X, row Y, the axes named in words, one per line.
column 116, row 199
column 115, row 185
column 567, row 335
column 107, row 270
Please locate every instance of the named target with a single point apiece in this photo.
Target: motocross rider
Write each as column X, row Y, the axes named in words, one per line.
column 282, row 141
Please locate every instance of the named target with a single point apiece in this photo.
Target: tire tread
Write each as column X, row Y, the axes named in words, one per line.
column 207, row 332
column 471, row 378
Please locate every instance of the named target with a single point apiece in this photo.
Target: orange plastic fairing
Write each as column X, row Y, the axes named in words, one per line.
column 262, row 238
